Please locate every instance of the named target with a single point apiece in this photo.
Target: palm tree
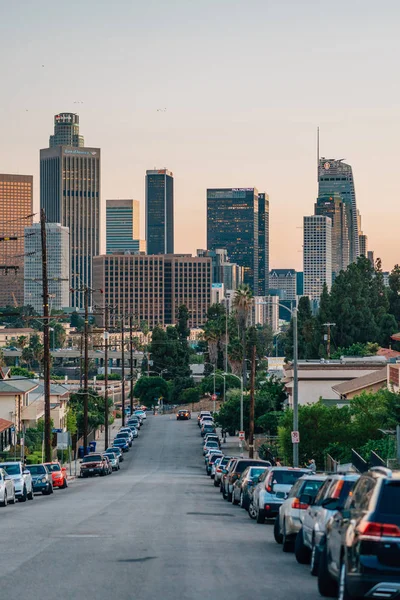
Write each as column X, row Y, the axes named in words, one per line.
column 21, row 342
column 243, row 302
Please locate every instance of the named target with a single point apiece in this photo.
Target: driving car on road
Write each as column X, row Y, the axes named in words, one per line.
column 289, row 520
column 42, row 480
column 240, row 492
column 183, row 415
column 361, row 554
column 271, row 491
column 333, row 493
column 94, row 464
column 59, row 474
column 7, row 489
column 22, row 479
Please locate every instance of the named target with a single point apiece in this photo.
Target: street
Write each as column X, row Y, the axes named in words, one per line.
column 156, row 529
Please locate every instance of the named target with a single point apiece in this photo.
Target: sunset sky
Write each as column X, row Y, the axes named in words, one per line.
column 245, row 85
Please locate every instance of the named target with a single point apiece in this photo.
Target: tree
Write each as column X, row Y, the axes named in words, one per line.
column 305, row 331
column 243, row 302
column 21, row 342
column 59, row 335
column 21, row 372
column 394, row 293
column 95, row 409
column 150, row 389
column 190, row 395
column 77, row 321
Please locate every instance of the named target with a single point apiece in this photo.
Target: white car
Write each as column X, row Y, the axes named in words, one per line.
column 22, row 480
column 7, row 489
column 141, row 414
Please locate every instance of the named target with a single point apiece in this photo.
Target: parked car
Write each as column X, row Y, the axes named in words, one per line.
column 133, row 430
column 235, row 471
column 225, row 471
column 361, row 554
column 212, row 436
column 124, row 435
column 116, row 450
column 219, row 467
column 205, row 429
column 291, row 513
column 272, row 489
column 333, row 493
column 7, row 489
column 42, row 479
column 121, row 443
column 94, row 464
column 127, row 430
column 240, row 492
column 140, row 413
column 211, row 458
column 183, row 415
column 201, row 415
column 59, row 474
column 135, row 421
column 211, row 445
column 114, row 460
column 22, row 479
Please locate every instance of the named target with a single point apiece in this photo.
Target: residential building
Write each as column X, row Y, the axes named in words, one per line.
column 335, row 176
column 369, row 384
column 317, row 255
column 152, row 287
column 16, row 208
column 70, row 195
column 386, row 275
column 57, row 244
column 283, row 283
column 263, row 243
column 160, row 211
column 363, row 242
column 265, row 311
column 393, row 377
column 300, row 283
column 123, row 227
column 66, row 131
column 232, row 223
column 332, row 206
column 223, row 271
column 9, row 336
column 217, row 293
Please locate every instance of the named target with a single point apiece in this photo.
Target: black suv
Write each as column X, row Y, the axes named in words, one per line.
column 361, row 556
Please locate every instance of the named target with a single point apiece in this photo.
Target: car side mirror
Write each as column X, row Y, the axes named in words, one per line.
column 306, row 499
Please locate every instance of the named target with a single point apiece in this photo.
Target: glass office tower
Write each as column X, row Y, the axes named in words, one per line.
column 160, row 212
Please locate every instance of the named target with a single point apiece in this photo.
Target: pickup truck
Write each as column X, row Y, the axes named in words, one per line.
column 94, row 464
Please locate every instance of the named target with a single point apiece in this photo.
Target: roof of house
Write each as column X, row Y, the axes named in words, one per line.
column 18, row 330
column 396, row 337
column 388, row 353
column 360, row 383
column 4, row 425
column 13, row 386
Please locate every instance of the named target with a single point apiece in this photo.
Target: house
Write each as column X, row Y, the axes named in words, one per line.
column 6, row 434
column 393, row 377
column 9, row 336
column 369, row 383
column 316, row 378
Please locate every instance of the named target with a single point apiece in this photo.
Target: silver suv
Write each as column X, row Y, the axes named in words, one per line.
column 22, row 480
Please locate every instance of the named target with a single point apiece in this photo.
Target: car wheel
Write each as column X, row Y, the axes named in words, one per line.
column 314, row 562
column 252, row 511
column 229, row 496
column 326, row 585
column 260, row 518
column 234, row 501
column 65, row 484
column 343, row 593
column 277, row 531
column 30, row 495
column 241, row 500
column 287, row 542
column 23, row 497
column 13, row 499
column 4, row 503
column 216, row 483
column 223, row 493
column 301, row 551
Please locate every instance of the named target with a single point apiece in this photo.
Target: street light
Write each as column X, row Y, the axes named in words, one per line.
column 241, row 406
column 293, row 313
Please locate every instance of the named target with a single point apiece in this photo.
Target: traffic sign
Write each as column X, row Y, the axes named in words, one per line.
column 214, row 397
column 295, row 437
column 241, row 436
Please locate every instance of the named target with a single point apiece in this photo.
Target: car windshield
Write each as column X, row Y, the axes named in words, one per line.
column 256, row 472
column 389, row 503
column 122, row 434
column 311, row 487
column 242, row 465
column 114, row 450
column 37, row 469
column 110, row 455
column 12, row 469
column 120, row 441
column 286, row 477
column 92, row 458
column 54, row 468
column 212, row 444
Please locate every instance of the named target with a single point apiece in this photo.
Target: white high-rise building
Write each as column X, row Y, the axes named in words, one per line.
column 317, row 255
column 57, row 243
column 265, row 311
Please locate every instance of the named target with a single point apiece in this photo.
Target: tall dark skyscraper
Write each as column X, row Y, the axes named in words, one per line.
column 160, row 212
column 263, row 244
column 70, row 195
column 335, row 176
column 66, row 131
column 332, row 206
column 232, row 223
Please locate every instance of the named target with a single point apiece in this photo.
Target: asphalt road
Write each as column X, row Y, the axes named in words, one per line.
column 157, row 529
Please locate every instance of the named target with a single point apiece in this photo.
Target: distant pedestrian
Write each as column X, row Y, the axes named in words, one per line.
column 278, row 462
column 311, row 465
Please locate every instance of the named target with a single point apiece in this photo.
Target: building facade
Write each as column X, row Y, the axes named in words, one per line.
column 57, row 244
column 337, row 176
column 363, row 241
column 317, row 255
column 16, row 208
column 283, row 283
column 160, row 212
column 232, row 223
column 123, row 227
column 152, row 287
column 223, row 271
column 66, row 131
column 265, row 311
column 332, row 206
column 70, row 195
column 263, row 243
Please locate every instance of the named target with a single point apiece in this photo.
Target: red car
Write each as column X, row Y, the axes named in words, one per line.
column 59, row 475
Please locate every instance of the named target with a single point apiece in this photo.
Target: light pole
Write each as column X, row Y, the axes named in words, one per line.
column 293, row 313
column 241, row 407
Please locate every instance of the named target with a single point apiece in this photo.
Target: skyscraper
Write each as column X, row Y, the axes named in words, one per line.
column 283, row 283
column 70, row 195
column 16, row 208
column 363, row 244
column 263, row 243
column 332, row 206
column 232, row 223
column 337, row 176
column 123, row 227
column 57, row 244
column 160, row 212
column 66, row 131
column 317, row 255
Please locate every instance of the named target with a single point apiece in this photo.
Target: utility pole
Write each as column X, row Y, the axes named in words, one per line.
column 226, row 348
column 123, row 369
column 295, row 388
column 328, row 338
column 131, row 360
column 106, row 326
column 86, row 371
column 46, row 340
column 252, row 386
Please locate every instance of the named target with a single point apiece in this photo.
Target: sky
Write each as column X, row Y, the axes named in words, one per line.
column 245, row 85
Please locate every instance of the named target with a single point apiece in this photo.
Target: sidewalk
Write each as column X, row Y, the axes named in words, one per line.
column 232, row 447
column 112, row 432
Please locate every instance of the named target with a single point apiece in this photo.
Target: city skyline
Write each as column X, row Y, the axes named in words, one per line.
column 218, row 139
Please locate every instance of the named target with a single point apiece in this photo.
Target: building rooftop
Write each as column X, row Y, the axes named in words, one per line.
column 360, row 383
column 17, row 385
column 4, row 425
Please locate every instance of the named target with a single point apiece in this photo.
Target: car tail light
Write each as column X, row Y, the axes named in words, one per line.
column 371, row 529
column 338, row 489
column 268, row 485
column 300, row 505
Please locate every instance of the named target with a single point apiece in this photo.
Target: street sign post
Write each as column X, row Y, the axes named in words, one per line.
column 295, row 437
column 241, row 436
